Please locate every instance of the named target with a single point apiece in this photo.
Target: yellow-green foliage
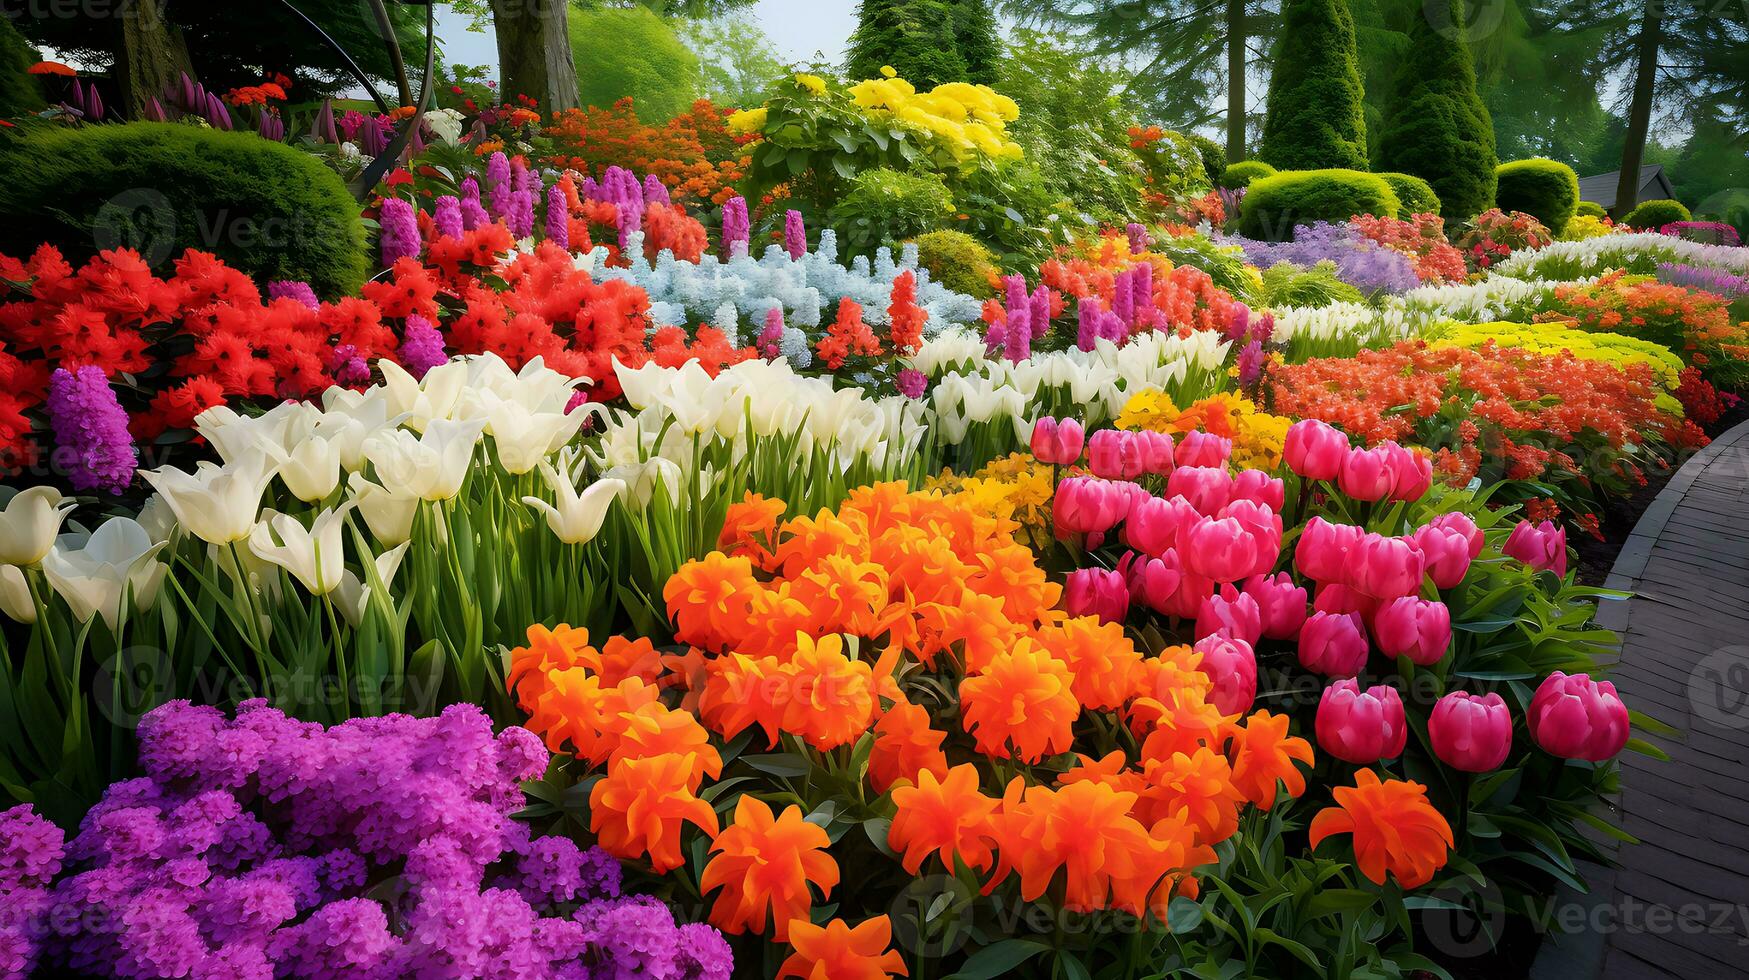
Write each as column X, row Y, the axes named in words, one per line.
column 1552, row 338
column 1274, row 205
column 957, row 261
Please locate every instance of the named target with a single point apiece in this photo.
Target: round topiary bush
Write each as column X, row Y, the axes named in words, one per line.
column 1316, row 115
column 632, row 52
column 1241, row 174
column 19, row 92
column 886, row 206
column 265, row 208
column 1653, row 215
column 1548, row 189
column 1214, row 156
column 1589, row 209
column 958, row 261
column 1414, row 194
column 1274, row 205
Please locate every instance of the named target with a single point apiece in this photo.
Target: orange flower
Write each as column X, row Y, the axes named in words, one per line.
column 1099, row 656
column 764, row 866
column 1023, row 700
column 709, row 600
column 549, row 650
column 1198, row 787
column 750, row 529
column 948, row 817
column 740, row 691
column 835, row 951
column 904, row 747
column 830, row 700
column 576, row 707
column 639, row 808
column 1113, row 770
column 1395, row 829
column 1085, row 830
column 1264, row 755
column 50, row 68
column 654, row 729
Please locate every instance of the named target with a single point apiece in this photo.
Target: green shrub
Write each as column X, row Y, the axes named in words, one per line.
column 1435, row 124
column 1225, row 264
column 887, row 206
column 957, row 261
column 1214, row 157
column 917, row 38
column 1174, row 166
column 1656, row 214
column 1274, row 205
column 19, row 92
column 632, row 52
column 266, row 208
column 1590, row 209
column 1286, row 284
column 1413, row 193
column 1316, row 118
column 1241, row 174
column 1548, row 189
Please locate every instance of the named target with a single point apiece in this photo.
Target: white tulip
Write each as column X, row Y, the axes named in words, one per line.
column 388, row 514
column 424, row 400
column 15, row 600
column 157, row 518
column 577, row 518
column 524, row 438
column 235, row 436
column 217, row 504
column 29, row 524
column 315, row 556
column 431, row 466
column 351, row 418
column 354, row 594
column 312, row 470
column 93, row 575
column 639, row 480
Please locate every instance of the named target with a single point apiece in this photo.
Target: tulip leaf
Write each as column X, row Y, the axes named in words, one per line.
column 786, row 764
column 999, row 959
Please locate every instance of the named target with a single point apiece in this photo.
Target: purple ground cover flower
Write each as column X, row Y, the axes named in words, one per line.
column 1716, row 281
column 1360, row 261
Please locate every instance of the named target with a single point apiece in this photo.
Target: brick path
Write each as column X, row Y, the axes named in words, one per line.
column 1680, row 899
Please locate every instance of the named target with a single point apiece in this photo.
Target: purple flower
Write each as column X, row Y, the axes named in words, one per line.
column 654, row 190
column 400, row 231
column 521, row 216
column 795, row 235
column 911, row 383
column 1018, row 344
column 1040, row 312
column 91, row 430
column 347, row 367
column 1250, row 364
column 446, row 216
column 421, row 347
column 1142, row 293
column 1359, row 261
column 294, row 289
column 1712, row 280
column 1138, row 236
column 737, row 227
column 558, row 218
column 498, row 186
column 771, row 337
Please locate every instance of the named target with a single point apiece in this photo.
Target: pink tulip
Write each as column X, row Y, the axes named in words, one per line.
column 1333, row 644
column 1097, row 592
column 1186, row 602
column 1334, row 597
column 1361, row 727
column 1258, row 486
column 1208, row 488
column 1541, row 546
column 1155, row 449
column 1057, row 443
column 1232, row 665
column 1083, row 505
column 1461, row 524
column 1315, row 450
column 1366, row 474
column 1152, row 582
column 1220, row 549
column 1471, row 733
column 1231, row 611
column 1111, row 453
column 1575, row 717
column 1322, row 552
column 1414, row 628
column 1203, row 449
column 1264, row 527
column 1154, row 524
column 1280, row 603
column 1447, row 554
column 1411, row 473
column 1386, row 568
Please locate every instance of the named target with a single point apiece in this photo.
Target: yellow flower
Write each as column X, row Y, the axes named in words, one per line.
column 888, row 71
column 748, row 121
column 813, row 83
column 1150, row 409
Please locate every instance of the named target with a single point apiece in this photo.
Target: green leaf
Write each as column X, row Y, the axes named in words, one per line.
column 998, row 959
column 1338, row 901
column 787, row 764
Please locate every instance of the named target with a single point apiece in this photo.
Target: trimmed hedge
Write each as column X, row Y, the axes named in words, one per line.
column 1316, row 116
column 1241, row 174
column 19, row 91
column 1214, row 157
column 1415, row 195
column 1548, row 189
column 1274, row 205
column 1590, row 209
column 958, row 261
column 1436, row 125
column 1652, row 215
column 266, row 208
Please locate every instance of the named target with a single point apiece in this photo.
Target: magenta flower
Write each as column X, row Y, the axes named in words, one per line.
column 91, row 430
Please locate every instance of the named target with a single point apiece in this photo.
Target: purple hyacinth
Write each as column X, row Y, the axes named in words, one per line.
column 1123, row 300
column 446, row 216
column 421, row 347
column 911, row 383
column 737, row 226
column 347, row 367
column 1706, row 278
column 1250, row 364
column 795, row 235
column 521, row 216
column 1238, row 322
column 1088, row 325
column 498, row 187
column 1017, row 345
column 1142, row 293
column 521, row 177
column 1138, row 236
column 655, row 192
column 400, row 231
column 558, row 218
column 294, row 289
column 1041, row 311
column 91, row 430
column 770, row 342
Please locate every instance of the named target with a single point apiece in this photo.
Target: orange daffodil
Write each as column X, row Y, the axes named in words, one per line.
column 900, row 631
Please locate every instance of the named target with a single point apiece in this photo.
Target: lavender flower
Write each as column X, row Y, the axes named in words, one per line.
column 91, row 430
column 1138, row 236
column 446, row 216
column 558, row 218
column 655, row 192
column 521, row 216
column 1123, row 299
column 737, row 227
column 421, row 347
column 498, row 186
column 1706, row 278
column 1017, row 345
column 1250, row 364
column 1360, row 261
column 795, row 235
column 400, row 231
column 1142, row 293
column 347, row 366
column 294, row 289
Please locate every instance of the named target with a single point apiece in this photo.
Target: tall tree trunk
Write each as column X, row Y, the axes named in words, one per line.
column 534, row 52
column 1627, row 192
column 391, row 40
column 150, row 54
column 1235, row 80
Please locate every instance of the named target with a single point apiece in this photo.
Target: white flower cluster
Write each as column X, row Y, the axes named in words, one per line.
column 1644, row 249
column 706, row 291
column 1367, row 325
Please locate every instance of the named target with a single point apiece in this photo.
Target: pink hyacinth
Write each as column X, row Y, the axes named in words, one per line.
column 795, row 235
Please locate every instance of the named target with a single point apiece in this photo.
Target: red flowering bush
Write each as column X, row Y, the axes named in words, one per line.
column 1494, row 234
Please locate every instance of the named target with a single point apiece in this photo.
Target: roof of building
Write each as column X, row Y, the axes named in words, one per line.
column 1600, row 190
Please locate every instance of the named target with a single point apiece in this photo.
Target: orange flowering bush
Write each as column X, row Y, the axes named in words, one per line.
column 890, row 690
column 1692, row 322
column 693, row 154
